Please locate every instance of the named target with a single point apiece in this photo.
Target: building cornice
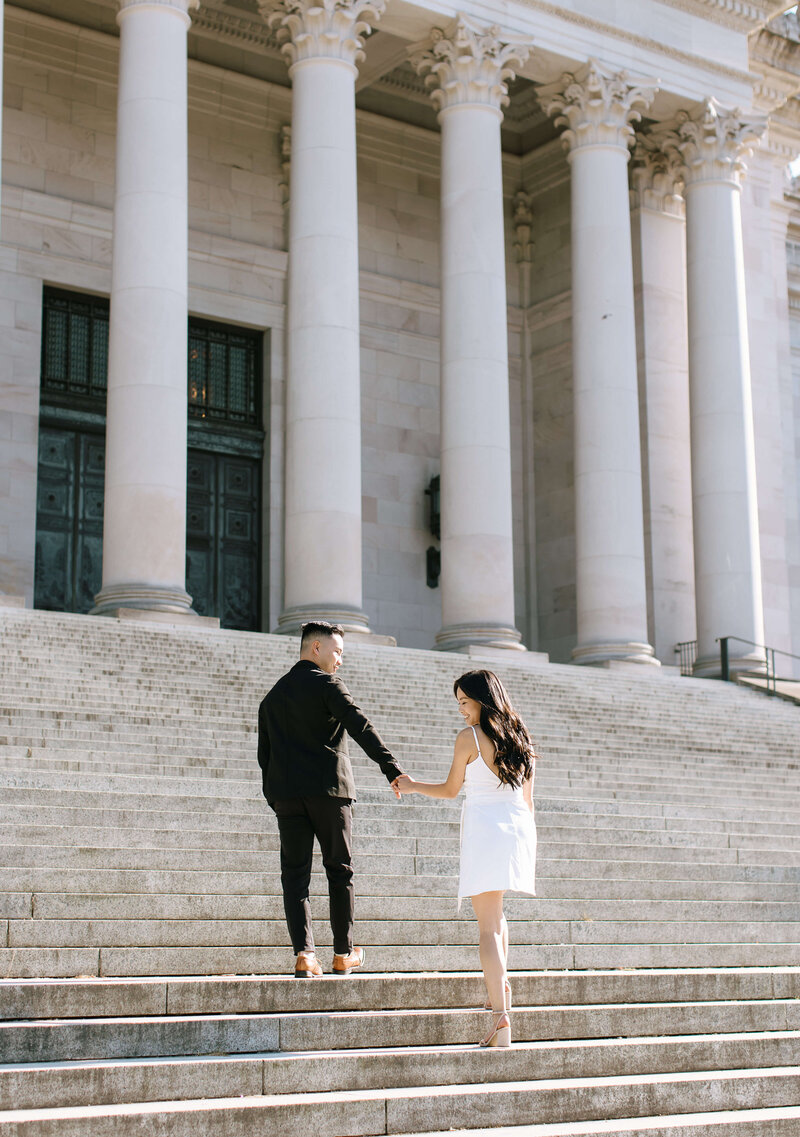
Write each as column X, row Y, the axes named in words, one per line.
column 645, row 43
column 741, row 15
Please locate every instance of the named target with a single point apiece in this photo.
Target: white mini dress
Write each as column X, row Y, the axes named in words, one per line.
column 498, row 834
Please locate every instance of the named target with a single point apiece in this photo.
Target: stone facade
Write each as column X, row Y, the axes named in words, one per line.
column 247, row 183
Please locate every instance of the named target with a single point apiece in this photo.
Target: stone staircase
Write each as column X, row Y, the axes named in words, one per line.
column 143, row 952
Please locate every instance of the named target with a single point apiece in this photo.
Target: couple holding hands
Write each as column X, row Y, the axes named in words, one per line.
column 308, row 782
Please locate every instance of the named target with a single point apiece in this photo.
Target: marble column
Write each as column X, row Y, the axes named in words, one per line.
column 322, row 566
column 713, row 144
column 2, row 20
column 598, row 108
column 467, row 70
column 658, row 225
column 144, row 534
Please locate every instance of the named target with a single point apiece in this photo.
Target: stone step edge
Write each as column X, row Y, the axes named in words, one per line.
column 688, row 1124
column 385, row 1096
column 380, row 1015
column 284, row 1056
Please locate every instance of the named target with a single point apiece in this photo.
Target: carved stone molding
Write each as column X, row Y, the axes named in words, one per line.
column 656, row 178
column 469, row 64
column 523, row 223
column 713, row 143
column 742, row 15
column 322, row 29
column 180, row 7
column 241, row 29
column 597, row 105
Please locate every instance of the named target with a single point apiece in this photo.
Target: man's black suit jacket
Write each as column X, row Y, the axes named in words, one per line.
column 302, row 749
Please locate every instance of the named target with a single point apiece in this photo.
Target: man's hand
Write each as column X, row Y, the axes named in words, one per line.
column 403, row 784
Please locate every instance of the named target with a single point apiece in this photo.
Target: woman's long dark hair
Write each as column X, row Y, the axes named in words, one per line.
column 515, row 754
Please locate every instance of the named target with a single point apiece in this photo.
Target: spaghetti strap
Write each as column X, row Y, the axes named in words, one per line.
column 475, row 736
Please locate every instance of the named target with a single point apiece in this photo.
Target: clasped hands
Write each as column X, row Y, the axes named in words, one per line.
column 403, row 784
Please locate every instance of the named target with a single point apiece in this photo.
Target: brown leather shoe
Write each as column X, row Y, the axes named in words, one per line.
column 344, row 964
column 307, row 966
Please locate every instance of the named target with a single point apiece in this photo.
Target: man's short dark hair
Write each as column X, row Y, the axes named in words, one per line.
column 318, row 630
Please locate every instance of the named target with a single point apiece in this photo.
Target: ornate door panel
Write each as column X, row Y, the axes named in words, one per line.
column 222, row 537
column 69, row 519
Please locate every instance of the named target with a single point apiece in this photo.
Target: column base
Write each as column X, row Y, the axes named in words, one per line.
column 462, row 637
column 354, row 621
column 111, row 600
column 611, row 654
column 9, row 601
column 709, row 666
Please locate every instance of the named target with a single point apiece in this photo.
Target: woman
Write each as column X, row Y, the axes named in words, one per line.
column 494, row 758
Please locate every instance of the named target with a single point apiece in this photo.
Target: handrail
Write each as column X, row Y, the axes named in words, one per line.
column 769, row 660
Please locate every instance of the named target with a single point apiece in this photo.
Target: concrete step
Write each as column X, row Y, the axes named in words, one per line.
column 779, row 1122
column 194, row 882
column 40, row 1085
column 556, row 839
column 678, row 860
column 257, row 906
column 30, row 962
column 403, row 930
column 155, row 1035
column 382, row 820
column 250, row 994
column 414, row 1109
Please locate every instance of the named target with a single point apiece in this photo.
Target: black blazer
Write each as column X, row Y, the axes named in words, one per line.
column 302, row 749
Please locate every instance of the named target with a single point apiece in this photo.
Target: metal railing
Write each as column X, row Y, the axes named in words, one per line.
column 687, row 652
column 768, row 669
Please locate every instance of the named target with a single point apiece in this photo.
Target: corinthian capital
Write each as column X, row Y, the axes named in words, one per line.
column 597, row 106
column 656, row 178
column 469, row 64
column 322, row 29
column 713, row 143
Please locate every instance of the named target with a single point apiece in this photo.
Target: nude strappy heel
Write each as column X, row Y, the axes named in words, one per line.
column 500, row 1034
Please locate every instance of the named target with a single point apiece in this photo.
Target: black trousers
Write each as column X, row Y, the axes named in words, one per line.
column 329, row 819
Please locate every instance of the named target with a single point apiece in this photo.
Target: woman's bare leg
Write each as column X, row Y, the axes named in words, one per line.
column 492, row 944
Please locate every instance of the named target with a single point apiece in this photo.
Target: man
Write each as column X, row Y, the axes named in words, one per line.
column 308, row 782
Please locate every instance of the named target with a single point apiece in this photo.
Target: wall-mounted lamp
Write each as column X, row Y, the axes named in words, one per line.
column 433, row 566
column 434, row 509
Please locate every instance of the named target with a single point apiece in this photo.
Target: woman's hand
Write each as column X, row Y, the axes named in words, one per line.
column 404, row 784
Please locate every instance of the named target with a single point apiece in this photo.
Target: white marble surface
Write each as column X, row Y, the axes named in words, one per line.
column 144, row 535
column 659, row 240
column 609, row 540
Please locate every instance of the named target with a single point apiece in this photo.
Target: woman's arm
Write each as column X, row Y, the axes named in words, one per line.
column 465, row 744
column 527, row 792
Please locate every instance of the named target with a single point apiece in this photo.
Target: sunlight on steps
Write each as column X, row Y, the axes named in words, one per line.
column 657, row 973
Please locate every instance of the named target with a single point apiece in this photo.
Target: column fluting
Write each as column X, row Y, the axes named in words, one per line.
column 658, row 223
column 598, row 107
column 144, row 528
column 713, row 144
column 322, row 559
column 467, row 70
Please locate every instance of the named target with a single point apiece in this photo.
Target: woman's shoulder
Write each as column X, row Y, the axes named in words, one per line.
column 465, row 736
